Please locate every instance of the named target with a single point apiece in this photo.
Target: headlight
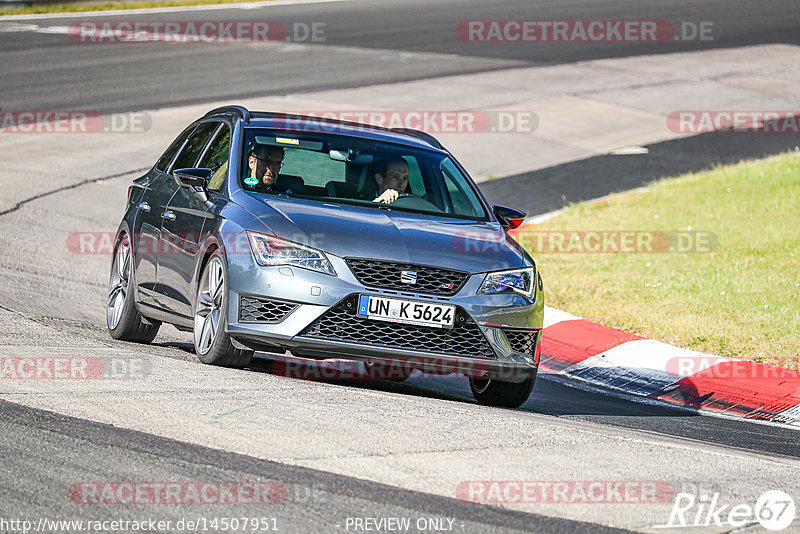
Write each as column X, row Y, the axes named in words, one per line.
column 271, row 250
column 521, row 281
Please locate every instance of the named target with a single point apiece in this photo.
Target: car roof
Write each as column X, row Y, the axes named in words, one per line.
column 322, row 125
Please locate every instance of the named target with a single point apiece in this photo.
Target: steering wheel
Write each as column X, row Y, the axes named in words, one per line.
column 412, row 201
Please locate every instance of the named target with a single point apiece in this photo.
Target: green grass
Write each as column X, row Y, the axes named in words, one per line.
column 105, row 6
column 740, row 300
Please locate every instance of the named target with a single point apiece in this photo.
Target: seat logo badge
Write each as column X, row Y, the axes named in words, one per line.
column 408, row 277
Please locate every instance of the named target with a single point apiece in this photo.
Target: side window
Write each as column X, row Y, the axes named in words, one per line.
column 169, row 155
column 463, row 203
column 191, row 151
column 216, row 158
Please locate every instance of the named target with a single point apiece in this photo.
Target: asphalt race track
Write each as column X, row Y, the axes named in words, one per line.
column 366, row 42
column 155, row 458
column 341, row 449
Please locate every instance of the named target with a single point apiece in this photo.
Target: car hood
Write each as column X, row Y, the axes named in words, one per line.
column 363, row 232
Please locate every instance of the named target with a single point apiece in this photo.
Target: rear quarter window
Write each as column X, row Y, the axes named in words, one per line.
column 163, row 162
column 194, row 146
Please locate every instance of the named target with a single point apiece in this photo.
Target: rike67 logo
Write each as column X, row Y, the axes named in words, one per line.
column 774, row 510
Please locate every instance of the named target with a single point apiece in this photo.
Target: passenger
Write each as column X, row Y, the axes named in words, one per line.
column 391, row 174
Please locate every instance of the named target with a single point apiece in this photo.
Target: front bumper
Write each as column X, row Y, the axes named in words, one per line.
column 310, row 296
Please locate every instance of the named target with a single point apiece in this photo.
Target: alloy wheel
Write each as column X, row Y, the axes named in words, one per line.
column 118, row 285
column 209, row 305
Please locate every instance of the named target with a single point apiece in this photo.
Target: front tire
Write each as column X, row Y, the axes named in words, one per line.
column 211, row 343
column 122, row 319
column 505, row 394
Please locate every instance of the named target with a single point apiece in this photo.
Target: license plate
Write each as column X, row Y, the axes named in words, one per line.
column 406, row 311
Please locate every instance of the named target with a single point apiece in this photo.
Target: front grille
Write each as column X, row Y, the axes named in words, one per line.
column 386, row 274
column 263, row 310
column 340, row 323
column 523, row 341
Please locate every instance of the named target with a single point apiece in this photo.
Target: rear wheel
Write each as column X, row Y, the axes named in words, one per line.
column 123, row 321
column 211, row 343
column 506, row 394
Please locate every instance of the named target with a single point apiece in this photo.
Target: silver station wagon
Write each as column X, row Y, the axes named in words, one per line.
column 329, row 239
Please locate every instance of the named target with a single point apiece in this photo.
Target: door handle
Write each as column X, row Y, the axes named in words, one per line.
column 144, row 206
column 168, row 215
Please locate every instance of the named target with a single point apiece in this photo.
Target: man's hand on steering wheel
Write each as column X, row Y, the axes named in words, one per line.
column 388, row 196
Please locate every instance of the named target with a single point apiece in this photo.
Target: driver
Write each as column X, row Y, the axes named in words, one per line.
column 264, row 162
column 391, row 174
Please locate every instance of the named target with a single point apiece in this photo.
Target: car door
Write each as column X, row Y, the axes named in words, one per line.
column 183, row 223
column 159, row 188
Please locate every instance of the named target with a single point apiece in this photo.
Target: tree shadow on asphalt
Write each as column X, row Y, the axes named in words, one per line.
column 548, row 397
column 443, row 388
column 552, row 397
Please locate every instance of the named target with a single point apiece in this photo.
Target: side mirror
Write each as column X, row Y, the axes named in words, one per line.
column 509, row 217
column 192, row 177
column 196, row 181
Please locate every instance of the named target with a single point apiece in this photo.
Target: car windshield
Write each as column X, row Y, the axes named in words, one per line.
column 349, row 170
